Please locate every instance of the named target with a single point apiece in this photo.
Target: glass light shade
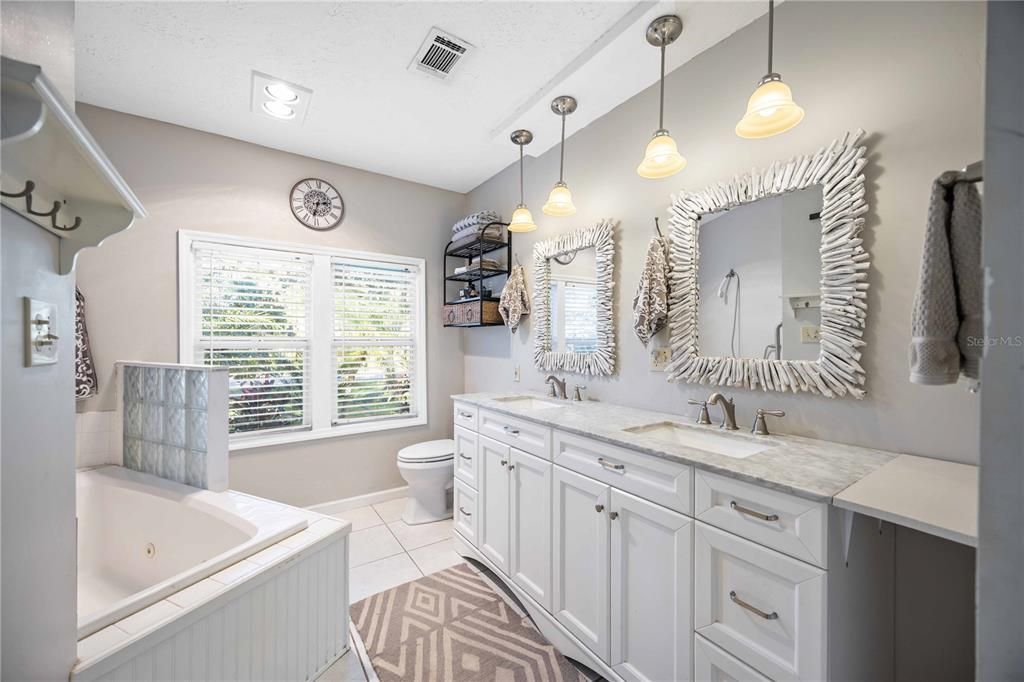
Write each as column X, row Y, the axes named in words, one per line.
column 559, row 201
column 770, row 111
column 521, row 221
column 662, row 157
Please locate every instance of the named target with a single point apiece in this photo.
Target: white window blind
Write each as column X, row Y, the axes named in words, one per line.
column 375, row 344
column 574, row 315
column 252, row 316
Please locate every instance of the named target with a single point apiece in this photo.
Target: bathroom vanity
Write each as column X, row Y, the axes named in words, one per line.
column 650, row 548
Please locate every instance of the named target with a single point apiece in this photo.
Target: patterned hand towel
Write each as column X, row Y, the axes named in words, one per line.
column 86, row 385
column 946, row 325
column 515, row 302
column 650, row 304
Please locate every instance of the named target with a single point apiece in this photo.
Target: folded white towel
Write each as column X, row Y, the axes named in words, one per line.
column 475, row 220
column 946, row 325
column 515, row 302
column 650, row 304
column 493, row 232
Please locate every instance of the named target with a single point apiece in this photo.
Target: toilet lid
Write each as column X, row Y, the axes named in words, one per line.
column 430, row 451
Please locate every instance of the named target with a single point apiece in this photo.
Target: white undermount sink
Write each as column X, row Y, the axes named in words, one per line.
column 700, row 439
column 527, row 402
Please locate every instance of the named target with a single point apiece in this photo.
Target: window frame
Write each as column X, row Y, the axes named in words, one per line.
column 322, row 389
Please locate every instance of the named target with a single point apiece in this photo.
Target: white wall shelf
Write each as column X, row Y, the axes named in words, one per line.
column 50, row 161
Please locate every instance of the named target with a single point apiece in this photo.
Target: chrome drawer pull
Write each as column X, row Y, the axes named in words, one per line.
column 510, row 431
column 611, row 467
column 465, row 415
column 753, row 609
column 463, row 511
column 755, row 514
column 464, row 456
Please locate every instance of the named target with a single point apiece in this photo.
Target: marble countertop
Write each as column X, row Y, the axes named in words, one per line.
column 813, row 469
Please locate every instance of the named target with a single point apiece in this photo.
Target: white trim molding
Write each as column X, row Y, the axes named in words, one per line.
column 838, row 168
column 602, row 361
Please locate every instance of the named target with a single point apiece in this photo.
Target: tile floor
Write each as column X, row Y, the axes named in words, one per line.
column 384, row 552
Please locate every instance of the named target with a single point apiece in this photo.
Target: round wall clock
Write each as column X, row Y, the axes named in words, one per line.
column 316, row 204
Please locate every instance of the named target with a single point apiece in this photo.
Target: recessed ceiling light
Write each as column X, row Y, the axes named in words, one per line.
column 281, row 92
column 278, row 109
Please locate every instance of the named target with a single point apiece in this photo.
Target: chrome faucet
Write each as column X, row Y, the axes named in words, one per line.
column 728, row 410
column 557, row 386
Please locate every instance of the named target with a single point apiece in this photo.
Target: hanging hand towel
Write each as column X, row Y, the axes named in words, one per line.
column 650, row 304
column 946, row 326
column 514, row 300
column 85, row 372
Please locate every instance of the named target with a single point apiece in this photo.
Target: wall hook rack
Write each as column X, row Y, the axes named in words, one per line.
column 51, row 214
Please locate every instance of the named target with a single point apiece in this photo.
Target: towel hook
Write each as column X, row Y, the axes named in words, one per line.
column 658, row 227
column 518, row 261
column 51, row 214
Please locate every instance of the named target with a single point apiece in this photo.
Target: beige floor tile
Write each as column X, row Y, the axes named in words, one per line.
column 361, row 518
column 390, row 510
column 372, row 544
column 422, row 534
column 381, row 575
column 435, row 557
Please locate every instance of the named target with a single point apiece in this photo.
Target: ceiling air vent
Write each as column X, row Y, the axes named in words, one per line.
column 440, row 54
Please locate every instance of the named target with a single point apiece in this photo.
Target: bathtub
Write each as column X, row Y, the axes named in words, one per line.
column 142, row 538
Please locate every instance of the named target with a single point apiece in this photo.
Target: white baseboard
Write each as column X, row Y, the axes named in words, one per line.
column 338, row 506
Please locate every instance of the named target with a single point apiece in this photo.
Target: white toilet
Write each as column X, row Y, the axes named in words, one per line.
column 429, row 469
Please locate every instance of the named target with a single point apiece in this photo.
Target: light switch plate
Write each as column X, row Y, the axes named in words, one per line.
column 515, row 373
column 40, row 333
column 660, row 357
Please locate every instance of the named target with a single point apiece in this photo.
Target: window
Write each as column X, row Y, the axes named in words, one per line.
column 574, row 314
column 317, row 342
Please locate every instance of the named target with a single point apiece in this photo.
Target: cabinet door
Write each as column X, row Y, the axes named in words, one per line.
column 493, row 501
column 530, row 547
column 651, row 614
column 465, row 456
column 579, row 591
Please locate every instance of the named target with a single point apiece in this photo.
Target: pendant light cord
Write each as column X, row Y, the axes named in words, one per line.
column 771, row 32
column 661, row 106
column 521, row 202
column 561, row 160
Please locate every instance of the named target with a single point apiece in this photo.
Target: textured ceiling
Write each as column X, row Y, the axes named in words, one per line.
column 190, row 63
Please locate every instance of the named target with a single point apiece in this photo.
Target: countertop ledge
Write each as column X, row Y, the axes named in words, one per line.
column 813, row 469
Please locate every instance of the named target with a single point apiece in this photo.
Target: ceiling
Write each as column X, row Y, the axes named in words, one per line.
column 191, row 63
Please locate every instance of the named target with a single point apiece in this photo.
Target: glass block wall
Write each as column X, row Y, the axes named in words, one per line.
column 175, row 422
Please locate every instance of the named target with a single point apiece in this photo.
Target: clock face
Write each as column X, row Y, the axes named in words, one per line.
column 316, row 204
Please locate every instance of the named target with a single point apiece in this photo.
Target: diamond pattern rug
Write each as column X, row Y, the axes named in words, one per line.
column 453, row 625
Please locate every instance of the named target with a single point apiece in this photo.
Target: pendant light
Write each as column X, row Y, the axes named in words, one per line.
column 560, row 200
column 771, row 109
column 662, row 157
column 521, row 221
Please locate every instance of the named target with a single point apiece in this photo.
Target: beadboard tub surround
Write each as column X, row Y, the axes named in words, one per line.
column 172, row 422
column 813, row 469
column 281, row 613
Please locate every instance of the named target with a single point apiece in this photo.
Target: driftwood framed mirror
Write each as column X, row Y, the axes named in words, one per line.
column 573, row 317
column 785, row 243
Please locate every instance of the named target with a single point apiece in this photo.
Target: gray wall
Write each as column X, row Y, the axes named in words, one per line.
column 37, row 436
column 1000, row 540
column 190, row 180
column 908, row 73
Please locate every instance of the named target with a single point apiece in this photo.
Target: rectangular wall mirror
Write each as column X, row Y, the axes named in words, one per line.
column 758, row 278
column 769, row 277
column 573, row 301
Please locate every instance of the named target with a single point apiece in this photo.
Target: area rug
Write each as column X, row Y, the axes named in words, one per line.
column 453, row 625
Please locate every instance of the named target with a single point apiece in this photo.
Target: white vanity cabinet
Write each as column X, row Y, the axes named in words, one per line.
column 648, row 570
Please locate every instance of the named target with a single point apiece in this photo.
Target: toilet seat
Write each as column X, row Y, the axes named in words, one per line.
column 428, row 452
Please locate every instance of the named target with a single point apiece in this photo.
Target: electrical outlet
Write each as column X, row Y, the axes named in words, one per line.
column 810, row 334
column 660, row 357
column 515, row 374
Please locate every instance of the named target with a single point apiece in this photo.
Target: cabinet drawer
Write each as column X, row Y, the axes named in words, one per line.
column 467, row 460
column 711, row 664
column 466, row 416
column 763, row 607
column 466, row 511
column 659, row 480
column 790, row 524
column 519, row 433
